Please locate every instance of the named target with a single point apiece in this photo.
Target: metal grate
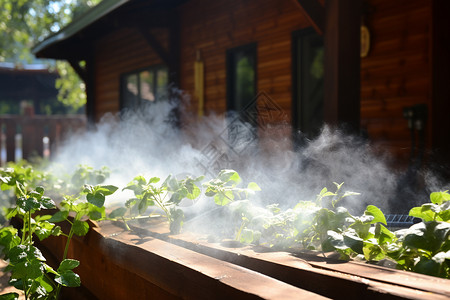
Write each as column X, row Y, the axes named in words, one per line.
column 402, row 221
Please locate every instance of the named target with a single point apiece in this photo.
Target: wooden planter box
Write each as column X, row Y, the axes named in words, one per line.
column 151, row 264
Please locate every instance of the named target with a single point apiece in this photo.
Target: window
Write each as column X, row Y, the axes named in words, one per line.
column 141, row 88
column 308, row 82
column 241, row 80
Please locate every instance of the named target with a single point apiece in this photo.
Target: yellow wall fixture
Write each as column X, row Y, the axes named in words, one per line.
column 199, row 83
column 365, row 41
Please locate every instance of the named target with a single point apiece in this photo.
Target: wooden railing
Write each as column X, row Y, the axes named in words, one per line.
column 28, row 136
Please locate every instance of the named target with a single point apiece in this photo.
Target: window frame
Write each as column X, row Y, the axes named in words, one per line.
column 298, row 84
column 153, row 69
column 230, row 88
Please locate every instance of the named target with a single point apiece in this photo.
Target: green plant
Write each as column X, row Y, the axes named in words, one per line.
column 166, row 196
column 422, row 248
column 224, row 188
column 225, row 192
column 320, row 225
column 29, row 272
column 425, row 246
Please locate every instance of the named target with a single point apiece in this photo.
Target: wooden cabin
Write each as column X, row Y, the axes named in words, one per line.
column 28, row 87
column 375, row 66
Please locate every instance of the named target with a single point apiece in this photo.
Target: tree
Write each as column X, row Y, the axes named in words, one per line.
column 24, row 23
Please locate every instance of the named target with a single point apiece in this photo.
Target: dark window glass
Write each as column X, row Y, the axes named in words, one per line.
column 143, row 87
column 241, row 80
column 308, row 82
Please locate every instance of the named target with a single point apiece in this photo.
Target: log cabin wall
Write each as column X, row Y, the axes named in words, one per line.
column 395, row 74
column 125, row 50
column 212, row 27
column 397, row 71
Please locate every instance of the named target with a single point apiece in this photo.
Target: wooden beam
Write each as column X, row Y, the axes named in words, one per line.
column 342, row 63
column 155, row 44
column 90, row 91
column 314, row 12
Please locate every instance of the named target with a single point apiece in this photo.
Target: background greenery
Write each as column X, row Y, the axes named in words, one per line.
column 25, row 23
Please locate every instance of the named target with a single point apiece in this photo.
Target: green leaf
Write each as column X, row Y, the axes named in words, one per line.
column 154, row 180
column 96, row 213
column 428, row 236
column 229, row 176
column 28, row 204
column 444, row 215
column 246, row 236
column 45, row 283
column 210, row 192
column 56, row 231
column 9, row 296
column 68, row 278
column 80, row 228
column 97, row 199
column 142, row 206
column 59, row 216
column 68, row 264
column 372, row 251
column 47, row 203
column 17, row 283
column 362, row 229
column 131, row 202
column 439, row 197
column 25, row 253
column 82, row 208
column 334, row 241
column 325, row 193
column 11, row 213
column 107, row 189
column 27, row 269
column 40, row 190
column 176, row 198
column 223, row 198
column 9, row 238
column 378, row 215
column 118, row 212
column 423, row 212
column 383, row 235
column 49, row 269
column 44, row 229
column 254, row 187
column 427, row 266
column 353, row 241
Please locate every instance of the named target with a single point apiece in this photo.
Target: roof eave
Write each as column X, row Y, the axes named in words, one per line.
column 92, row 15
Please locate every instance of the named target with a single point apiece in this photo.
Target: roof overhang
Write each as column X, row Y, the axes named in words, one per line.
column 44, row 48
column 74, row 42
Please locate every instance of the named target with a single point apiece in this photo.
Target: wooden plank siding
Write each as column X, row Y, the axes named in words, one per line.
column 396, row 73
column 215, row 26
column 124, row 51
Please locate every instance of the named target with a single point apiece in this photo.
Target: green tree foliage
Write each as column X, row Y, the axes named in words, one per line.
column 25, row 23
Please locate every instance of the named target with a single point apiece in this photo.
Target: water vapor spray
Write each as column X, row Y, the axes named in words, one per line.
column 146, row 142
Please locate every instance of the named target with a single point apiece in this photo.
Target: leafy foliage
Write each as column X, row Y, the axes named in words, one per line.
column 29, row 272
column 325, row 226
column 321, row 224
column 24, row 23
column 166, row 196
